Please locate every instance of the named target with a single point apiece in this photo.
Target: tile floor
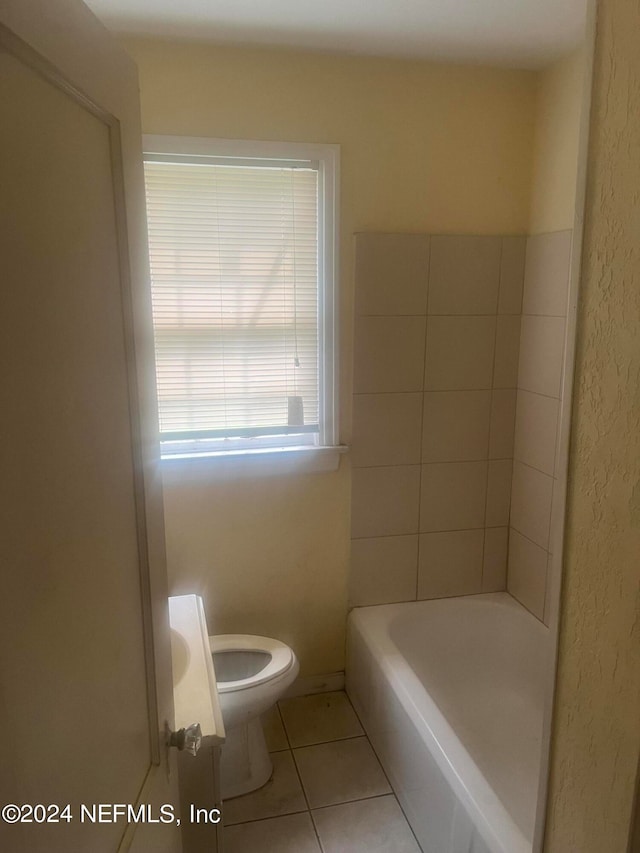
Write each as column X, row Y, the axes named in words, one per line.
column 328, row 792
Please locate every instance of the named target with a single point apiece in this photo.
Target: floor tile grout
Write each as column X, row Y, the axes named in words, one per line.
column 295, row 764
column 325, row 742
column 311, row 810
column 356, row 800
column 270, row 817
column 384, row 771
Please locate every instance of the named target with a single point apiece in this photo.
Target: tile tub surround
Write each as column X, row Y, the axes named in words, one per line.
column 437, row 335
column 459, row 346
column 328, row 793
column 536, row 467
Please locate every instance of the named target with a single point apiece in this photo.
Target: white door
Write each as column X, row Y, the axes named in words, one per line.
column 84, row 647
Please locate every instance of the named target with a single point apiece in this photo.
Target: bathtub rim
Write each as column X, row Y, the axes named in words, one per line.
column 487, row 811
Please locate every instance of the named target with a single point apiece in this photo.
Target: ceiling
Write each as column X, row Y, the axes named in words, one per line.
column 514, row 33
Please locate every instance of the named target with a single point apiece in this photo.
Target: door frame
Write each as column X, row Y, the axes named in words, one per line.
column 558, row 520
column 38, row 36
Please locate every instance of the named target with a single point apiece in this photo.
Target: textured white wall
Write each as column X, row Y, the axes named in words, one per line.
column 596, row 737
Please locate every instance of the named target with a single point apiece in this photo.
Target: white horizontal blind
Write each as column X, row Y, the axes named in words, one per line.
column 234, row 271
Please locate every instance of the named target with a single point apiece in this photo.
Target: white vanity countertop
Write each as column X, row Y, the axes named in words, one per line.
column 195, row 694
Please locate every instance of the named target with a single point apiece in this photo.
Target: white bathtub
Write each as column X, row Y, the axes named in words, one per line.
column 450, row 693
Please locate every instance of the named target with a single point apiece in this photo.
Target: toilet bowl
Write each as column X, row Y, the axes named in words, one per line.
column 252, row 673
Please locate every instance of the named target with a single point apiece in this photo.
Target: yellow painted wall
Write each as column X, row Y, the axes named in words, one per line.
column 555, row 152
column 425, row 147
column 596, row 736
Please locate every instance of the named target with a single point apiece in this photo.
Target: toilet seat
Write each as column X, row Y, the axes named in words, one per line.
column 281, row 660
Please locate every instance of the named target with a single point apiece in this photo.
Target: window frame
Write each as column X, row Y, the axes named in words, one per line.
column 327, row 157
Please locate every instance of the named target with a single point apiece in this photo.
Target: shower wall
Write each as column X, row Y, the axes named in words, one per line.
column 536, row 463
column 459, row 342
column 437, row 334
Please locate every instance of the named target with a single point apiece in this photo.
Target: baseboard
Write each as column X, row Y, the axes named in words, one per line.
column 307, row 684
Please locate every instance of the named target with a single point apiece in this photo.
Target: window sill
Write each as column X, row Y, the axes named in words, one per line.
column 265, row 462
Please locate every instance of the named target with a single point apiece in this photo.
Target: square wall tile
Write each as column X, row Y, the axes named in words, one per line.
column 391, row 273
column 531, row 494
column 541, row 354
column 459, row 353
column 340, row 771
column 455, row 425
column 388, row 354
column 289, row 834
column 366, row 826
column 536, row 428
column 494, row 565
column 546, row 276
column 450, row 563
column 527, row 574
column 499, row 493
column 384, row 501
column 383, row 570
column 453, row 496
column 511, row 275
column 320, row 718
column 386, row 429
column 505, row 371
column 503, row 416
column 464, row 275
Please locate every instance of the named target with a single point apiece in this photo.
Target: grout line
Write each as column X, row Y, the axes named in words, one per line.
column 297, row 769
column 533, row 467
column 269, row 817
column 368, row 741
column 384, row 393
column 389, row 315
column 488, row 453
column 461, row 316
column 458, row 595
column 363, row 736
column 536, row 393
column 476, row 388
column 433, row 462
column 458, row 461
column 465, row 316
column 421, row 532
column 383, row 536
column 335, row 740
column 529, row 539
column 283, row 724
column 331, row 740
column 399, row 465
column 424, row 382
column 549, row 316
column 528, row 609
column 395, row 796
column 444, row 391
column 378, row 603
column 390, row 793
column 506, row 571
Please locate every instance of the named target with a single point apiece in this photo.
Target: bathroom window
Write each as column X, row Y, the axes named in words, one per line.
column 242, row 240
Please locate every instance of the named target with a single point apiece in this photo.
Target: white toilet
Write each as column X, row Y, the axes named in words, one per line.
column 251, row 674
